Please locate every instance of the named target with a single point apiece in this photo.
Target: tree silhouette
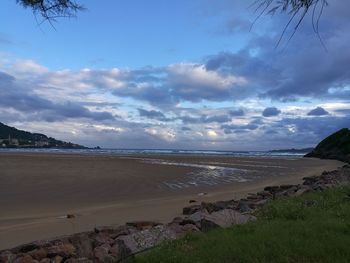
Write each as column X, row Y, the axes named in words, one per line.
column 297, row 9
column 50, row 10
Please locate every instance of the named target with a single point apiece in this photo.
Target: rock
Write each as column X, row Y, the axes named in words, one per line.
column 38, row 254
column 148, row 238
column 265, row 194
column 7, row 257
column 286, row 186
column 272, row 189
column 116, row 231
column 78, row 260
column 45, row 260
column 64, row 250
column 101, row 252
column 223, row 218
column 191, row 209
column 70, row 216
column 57, row 259
column 261, row 203
column 27, row 247
column 301, row 191
column 25, row 259
column 244, row 207
column 83, row 242
column 142, row 225
column 103, row 238
column 192, row 201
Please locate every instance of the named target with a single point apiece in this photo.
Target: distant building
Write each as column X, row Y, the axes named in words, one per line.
column 42, row 143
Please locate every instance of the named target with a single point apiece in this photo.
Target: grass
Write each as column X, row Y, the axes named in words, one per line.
column 311, row 228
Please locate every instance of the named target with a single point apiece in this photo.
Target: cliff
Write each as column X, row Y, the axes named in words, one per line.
column 335, row 146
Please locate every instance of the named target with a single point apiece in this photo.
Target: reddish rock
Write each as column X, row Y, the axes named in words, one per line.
column 45, row 260
column 57, row 259
column 64, row 250
column 25, row 259
column 191, row 209
column 142, row 225
column 101, row 252
column 38, row 254
column 103, row 238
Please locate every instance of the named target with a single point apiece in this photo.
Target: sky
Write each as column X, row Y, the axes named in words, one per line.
column 181, row 74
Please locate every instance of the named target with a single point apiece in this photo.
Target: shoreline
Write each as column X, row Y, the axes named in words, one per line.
column 22, row 223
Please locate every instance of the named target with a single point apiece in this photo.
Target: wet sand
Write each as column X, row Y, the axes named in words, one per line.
column 37, row 190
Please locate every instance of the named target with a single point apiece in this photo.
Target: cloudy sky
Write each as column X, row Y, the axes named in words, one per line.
column 175, row 74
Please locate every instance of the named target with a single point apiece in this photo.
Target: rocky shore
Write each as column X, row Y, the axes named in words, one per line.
column 106, row 244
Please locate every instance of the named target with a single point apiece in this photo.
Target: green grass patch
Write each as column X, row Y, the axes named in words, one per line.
column 311, row 228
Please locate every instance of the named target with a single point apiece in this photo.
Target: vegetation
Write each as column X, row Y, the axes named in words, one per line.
column 11, row 137
column 50, row 10
column 297, row 10
column 312, row 228
column 335, row 146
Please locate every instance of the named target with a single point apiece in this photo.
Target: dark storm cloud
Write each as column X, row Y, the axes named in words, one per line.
column 270, row 112
column 304, row 68
column 204, row 119
column 234, row 128
column 309, row 129
column 153, row 114
column 236, row 113
column 319, row 111
column 23, row 100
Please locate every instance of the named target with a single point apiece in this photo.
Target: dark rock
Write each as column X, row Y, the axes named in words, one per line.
column 38, row 254
column 191, row 209
column 265, row 194
column 142, row 225
column 25, row 259
column 192, row 201
column 78, row 260
column 57, row 259
column 7, row 256
column 101, row 252
column 64, row 250
column 103, row 238
column 272, row 189
column 27, row 247
column 245, row 207
column 83, row 244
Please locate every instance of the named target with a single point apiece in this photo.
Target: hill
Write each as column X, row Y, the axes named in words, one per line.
column 11, row 137
column 335, row 146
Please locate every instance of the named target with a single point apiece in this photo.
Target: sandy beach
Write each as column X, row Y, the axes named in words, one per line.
column 38, row 190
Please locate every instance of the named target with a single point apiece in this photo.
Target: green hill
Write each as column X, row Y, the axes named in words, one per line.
column 11, row 137
column 335, row 146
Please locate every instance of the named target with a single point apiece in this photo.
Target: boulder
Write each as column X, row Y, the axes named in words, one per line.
column 64, row 250
column 38, row 254
column 223, row 218
column 148, row 238
column 142, row 225
column 101, row 253
column 191, row 209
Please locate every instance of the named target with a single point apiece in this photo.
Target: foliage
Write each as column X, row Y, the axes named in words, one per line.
column 311, row 228
column 50, row 10
column 335, row 146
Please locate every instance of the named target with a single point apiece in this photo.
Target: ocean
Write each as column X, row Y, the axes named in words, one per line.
column 154, row 152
